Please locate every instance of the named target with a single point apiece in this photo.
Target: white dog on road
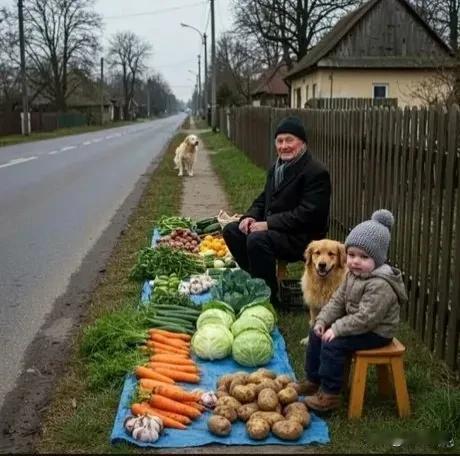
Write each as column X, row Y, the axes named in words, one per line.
column 186, row 155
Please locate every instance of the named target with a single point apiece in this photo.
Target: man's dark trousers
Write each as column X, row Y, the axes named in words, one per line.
column 255, row 253
column 325, row 361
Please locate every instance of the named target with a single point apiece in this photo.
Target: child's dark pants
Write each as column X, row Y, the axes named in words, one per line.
column 325, row 361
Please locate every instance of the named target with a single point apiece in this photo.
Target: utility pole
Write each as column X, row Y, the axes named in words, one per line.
column 200, row 100
column 205, row 77
column 148, row 98
column 102, row 90
column 213, row 63
column 25, row 99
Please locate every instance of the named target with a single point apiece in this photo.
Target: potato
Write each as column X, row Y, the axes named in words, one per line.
column 265, row 383
column 279, row 409
column 256, row 377
column 302, row 417
column 226, row 411
column 245, row 411
column 294, row 385
column 244, row 394
column 300, row 406
column 267, row 399
column 284, row 379
column 287, row 429
column 228, row 401
column 220, row 393
column 224, row 381
column 235, row 382
column 219, row 425
column 258, row 428
column 287, row 395
column 278, row 385
column 270, row 417
column 253, row 387
column 266, row 372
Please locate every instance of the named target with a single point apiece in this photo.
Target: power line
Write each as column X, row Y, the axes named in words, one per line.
column 152, row 13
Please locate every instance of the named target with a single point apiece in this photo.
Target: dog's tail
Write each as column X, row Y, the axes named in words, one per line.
column 176, row 160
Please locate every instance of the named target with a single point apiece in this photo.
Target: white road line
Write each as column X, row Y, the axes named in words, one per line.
column 97, row 140
column 53, row 152
column 63, row 149
column 109, row 137
column 17, row 161
column 87, row 143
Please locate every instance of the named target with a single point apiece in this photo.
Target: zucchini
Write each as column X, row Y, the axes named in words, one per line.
column 203, row 223
column 212, row 228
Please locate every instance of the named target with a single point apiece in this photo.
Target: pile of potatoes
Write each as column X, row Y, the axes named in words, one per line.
column 264, row 400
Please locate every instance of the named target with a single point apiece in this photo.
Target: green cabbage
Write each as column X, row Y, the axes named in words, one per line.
column 263, row 313
column 213, row 314
column 252, row 347
column 212, row 342
column 248, row 322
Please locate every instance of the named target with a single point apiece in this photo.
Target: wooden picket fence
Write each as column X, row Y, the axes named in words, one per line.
column 407, row 161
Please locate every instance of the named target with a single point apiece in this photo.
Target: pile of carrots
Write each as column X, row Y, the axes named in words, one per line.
column 170, row 361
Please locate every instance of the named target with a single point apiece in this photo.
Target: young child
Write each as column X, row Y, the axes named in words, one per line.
column 362, row 314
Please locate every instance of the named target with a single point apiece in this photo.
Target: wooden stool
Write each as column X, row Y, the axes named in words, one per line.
column 390, row 370
column 281, row 270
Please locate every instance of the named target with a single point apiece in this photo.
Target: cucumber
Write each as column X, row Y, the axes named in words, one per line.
column 167, row 314
column 185, row 310
column 176, row 321
column 203, row 223
column 173, row 328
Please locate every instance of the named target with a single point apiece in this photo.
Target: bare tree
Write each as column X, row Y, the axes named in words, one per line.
column 127, row 53
column 61, row 45
column 443, row 16
column 295, row 25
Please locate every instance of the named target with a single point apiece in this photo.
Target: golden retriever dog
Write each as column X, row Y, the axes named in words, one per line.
column 185, row 156
column 325, row 270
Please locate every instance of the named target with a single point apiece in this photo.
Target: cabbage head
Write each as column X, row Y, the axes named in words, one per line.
column 212, row 342
column 213, row 315
column 248, row 322
column 252, row 347
column 262, row 313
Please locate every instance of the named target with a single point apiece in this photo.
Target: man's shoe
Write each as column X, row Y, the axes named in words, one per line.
column 308, row 388
column 323, row 402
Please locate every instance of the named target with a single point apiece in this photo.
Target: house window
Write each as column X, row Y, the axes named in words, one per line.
column 313, row 95
column 298, row 96
column 380, row 90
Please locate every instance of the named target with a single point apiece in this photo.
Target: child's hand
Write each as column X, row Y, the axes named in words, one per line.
column 318, row 329
column 328, row 335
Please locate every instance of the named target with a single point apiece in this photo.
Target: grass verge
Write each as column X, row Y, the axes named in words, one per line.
column 80, row 419
column 435, row 399
column 39, row 136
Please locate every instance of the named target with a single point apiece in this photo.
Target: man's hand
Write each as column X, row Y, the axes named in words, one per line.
column 245, row 224
column 328, row 335
column 318, row 329
column 258, row 226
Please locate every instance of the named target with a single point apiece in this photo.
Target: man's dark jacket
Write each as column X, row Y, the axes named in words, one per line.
column 299, row 208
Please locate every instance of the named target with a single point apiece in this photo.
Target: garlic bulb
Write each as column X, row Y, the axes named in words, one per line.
column 208, row 399
column 130, row 423
column 146, row 428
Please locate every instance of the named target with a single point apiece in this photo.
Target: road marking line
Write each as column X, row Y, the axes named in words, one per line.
column 87, row 143
column 97, row 140
column 68, row 148
column 17, row 161
column 53, row 152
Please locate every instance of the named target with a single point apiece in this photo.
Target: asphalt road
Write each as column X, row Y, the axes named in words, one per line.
column 56, row 199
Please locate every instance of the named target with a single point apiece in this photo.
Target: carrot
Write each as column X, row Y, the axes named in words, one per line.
column 164, row 403
column 146, row 372
column 175, row 416
column 191, row 369
column 173, row 335
column 179, row 395
column 169, row 341
column 148, row 384
column 172, row 359
column 178, row 376
column 154, row 344
column 199, row 407
column 144, row 408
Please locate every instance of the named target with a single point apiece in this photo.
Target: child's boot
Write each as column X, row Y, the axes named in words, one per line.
column 322, row 401
column 308, row 388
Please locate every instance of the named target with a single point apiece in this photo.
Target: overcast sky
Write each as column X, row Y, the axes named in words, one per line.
column 175, row 48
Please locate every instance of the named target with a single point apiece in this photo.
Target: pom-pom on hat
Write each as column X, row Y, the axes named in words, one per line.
column 373, row 236
column 292, row 125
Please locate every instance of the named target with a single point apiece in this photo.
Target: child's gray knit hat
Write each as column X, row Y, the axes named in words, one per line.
column 373, row 236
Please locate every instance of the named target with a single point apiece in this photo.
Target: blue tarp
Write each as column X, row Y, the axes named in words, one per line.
column 197, row 433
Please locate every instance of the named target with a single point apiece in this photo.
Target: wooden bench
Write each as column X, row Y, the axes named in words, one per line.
column 390, row 374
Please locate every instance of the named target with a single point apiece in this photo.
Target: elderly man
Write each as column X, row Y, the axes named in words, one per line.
column 292, row 210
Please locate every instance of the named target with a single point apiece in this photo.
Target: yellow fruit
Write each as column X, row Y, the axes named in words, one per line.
column 208, row 238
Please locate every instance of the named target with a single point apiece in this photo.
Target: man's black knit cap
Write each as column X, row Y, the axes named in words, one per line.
column 292, row 125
